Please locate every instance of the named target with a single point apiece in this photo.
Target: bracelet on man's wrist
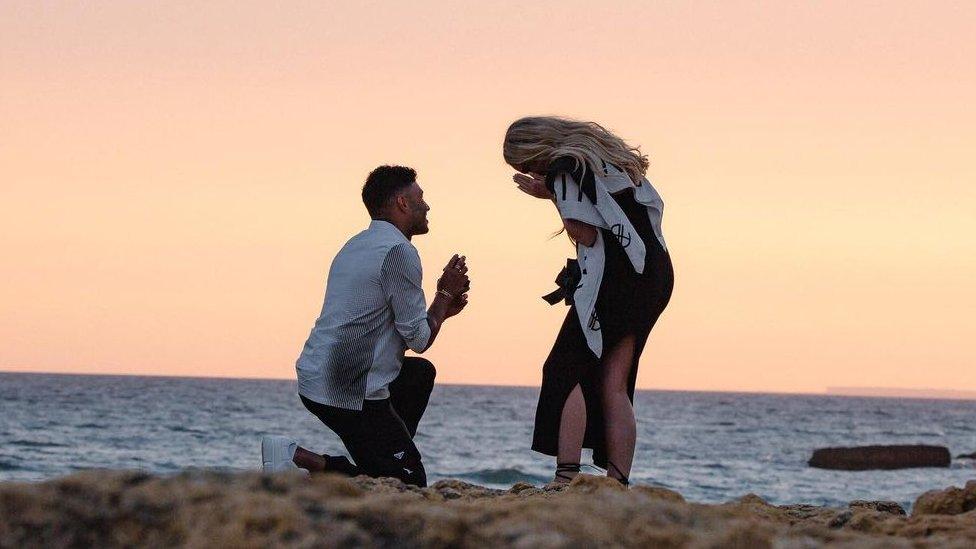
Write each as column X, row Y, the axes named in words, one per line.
column 446, row 294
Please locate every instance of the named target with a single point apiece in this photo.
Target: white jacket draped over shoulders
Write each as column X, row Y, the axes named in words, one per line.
column 584, row 194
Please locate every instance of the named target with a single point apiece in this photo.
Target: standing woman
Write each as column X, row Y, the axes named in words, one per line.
column 619, row 284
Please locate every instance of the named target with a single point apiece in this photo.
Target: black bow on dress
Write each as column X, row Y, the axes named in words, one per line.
column 568, row 280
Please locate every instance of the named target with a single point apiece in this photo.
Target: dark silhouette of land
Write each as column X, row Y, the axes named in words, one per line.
column 896, row 392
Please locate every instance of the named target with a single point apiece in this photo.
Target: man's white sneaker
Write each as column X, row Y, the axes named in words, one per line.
column 277, row 453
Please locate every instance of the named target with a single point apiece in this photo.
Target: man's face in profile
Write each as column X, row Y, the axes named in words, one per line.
column 418, row 209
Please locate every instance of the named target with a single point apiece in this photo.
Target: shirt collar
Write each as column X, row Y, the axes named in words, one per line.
column 385, row 226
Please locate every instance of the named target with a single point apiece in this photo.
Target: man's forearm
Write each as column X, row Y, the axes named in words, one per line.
column 436, row 314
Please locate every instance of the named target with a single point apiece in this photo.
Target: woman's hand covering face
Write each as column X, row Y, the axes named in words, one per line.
column 533, row 185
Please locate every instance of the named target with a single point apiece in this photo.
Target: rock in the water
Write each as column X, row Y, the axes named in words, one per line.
column 967, row 456
column 951, row 501
column 863, row 458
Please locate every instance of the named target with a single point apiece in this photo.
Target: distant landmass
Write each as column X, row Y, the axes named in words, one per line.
column 896, row 392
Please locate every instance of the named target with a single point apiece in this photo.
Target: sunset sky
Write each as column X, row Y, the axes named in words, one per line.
column 175, row 178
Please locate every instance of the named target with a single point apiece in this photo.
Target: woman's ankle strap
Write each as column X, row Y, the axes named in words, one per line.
column 565, row 470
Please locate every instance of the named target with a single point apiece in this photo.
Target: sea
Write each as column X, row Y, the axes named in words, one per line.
column 711, row 447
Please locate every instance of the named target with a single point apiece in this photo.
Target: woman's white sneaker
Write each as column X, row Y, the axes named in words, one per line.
column 277, row 454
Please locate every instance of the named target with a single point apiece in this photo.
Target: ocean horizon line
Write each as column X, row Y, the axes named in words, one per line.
column 830, row 391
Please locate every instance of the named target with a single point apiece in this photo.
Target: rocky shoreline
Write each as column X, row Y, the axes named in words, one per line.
column 201, row 508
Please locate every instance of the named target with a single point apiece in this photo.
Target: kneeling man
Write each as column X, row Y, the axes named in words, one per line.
column 352, row 373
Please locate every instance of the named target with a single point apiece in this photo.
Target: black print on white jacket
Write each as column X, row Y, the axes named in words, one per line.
column 583, row 194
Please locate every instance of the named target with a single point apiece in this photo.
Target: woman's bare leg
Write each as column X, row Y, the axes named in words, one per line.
column 621, row 426
column 572, row 428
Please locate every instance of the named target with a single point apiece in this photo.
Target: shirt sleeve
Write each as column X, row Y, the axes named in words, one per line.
column 573, row 203
column 401, row 278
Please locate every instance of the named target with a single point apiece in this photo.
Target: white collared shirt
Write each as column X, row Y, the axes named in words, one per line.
column 374, row 310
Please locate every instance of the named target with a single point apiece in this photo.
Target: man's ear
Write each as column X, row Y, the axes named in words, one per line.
column 401, row 203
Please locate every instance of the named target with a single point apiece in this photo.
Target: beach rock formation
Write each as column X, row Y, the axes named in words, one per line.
column 951, row 501
column 206, row 509
column 863, row 458
column 880, row 506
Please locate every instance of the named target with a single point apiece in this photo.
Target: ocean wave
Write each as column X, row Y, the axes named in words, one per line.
column 506, row 476
column 899, row 433
column 36, row 444
column 9, row 466
column 182, row 429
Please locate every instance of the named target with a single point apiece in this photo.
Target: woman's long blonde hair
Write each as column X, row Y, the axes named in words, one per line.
column 531, row 143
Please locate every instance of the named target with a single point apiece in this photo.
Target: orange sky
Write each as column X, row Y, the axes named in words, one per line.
column 175, row 179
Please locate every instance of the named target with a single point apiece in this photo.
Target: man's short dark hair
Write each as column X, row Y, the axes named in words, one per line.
column 383, row 184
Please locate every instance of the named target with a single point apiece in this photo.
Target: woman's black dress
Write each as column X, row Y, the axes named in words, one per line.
column 628, row 303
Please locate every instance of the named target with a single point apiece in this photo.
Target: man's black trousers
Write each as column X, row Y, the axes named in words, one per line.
column 380, row 437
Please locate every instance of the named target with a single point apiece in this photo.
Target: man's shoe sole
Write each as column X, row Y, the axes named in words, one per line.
column 267, row 454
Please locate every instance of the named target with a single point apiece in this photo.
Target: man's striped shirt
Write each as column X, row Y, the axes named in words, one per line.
column 374, row 310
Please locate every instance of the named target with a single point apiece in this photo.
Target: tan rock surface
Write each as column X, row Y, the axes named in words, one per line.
column 197, row 509
column 951, row 501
